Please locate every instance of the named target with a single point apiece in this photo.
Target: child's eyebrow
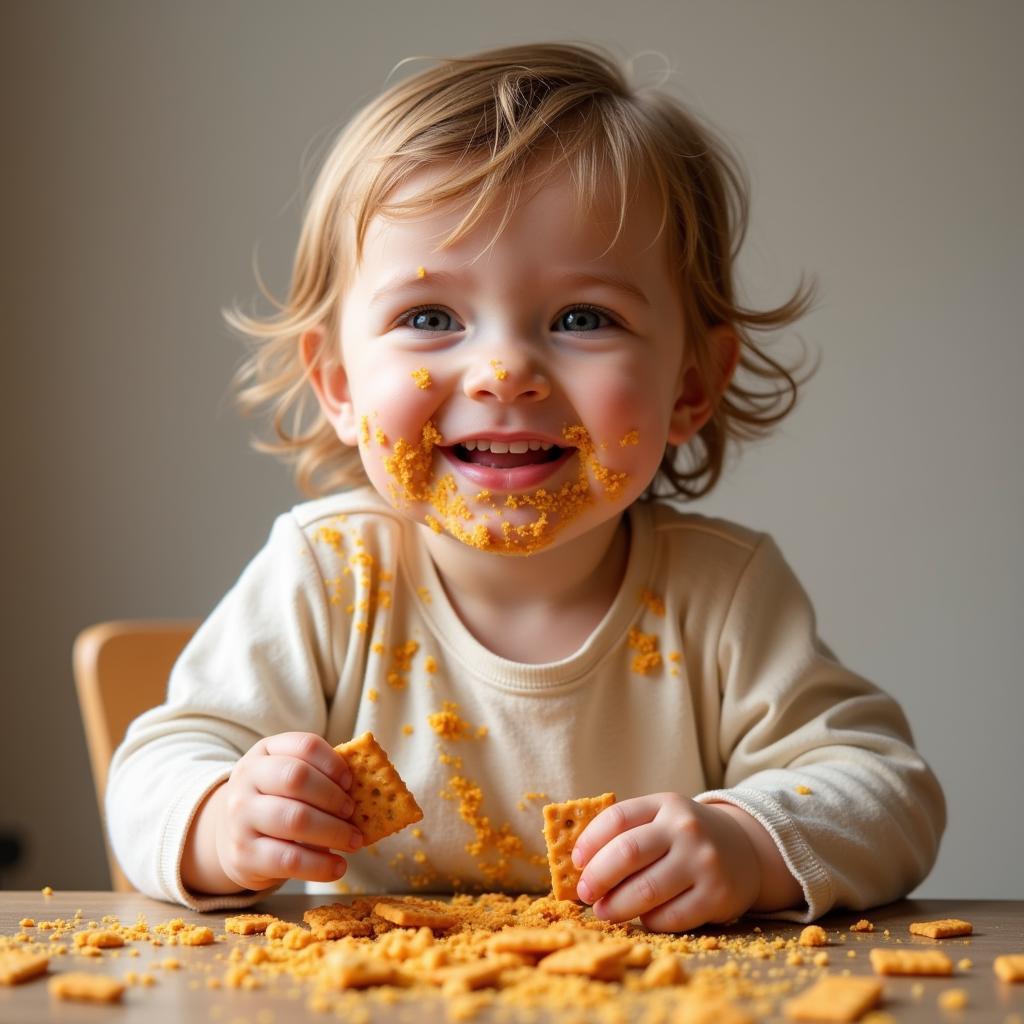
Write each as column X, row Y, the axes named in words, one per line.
column 434, row 278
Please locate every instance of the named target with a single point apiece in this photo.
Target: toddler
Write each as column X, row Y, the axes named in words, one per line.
column 512, row 332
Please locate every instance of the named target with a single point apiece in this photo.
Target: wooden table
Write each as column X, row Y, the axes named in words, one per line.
column 181, row 996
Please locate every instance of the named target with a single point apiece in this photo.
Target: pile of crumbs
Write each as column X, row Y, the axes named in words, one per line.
column 492, row 954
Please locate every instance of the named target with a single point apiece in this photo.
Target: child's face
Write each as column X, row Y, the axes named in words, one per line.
column 575, row 385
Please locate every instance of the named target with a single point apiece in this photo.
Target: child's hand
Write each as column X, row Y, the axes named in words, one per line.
column 283, row 811
column 670, row 861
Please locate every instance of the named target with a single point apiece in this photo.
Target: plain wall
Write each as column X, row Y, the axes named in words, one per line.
column 150, row 148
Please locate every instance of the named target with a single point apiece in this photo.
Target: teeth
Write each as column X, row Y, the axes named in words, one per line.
column 503, row 447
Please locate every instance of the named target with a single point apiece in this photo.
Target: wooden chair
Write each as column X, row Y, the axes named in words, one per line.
column 121, row 669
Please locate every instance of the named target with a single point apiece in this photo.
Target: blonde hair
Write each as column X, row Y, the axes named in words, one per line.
column 485, row 118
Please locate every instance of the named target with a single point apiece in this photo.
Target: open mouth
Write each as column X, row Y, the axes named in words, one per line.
column 507, row 455
column 512, row 466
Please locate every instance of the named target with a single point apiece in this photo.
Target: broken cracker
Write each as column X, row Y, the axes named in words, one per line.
column 17, row 966
column 456, row 978
column 1009, row 966
column 414, row 913
column 248, row 924
column 947, row 928
column 563, row 824
column 358, row 970
column 338, row 920
column 928, row 962
column 835, row 999
column 90, row 988
column 383, row 803
column 603, row 960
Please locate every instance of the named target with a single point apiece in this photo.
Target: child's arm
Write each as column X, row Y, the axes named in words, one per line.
column 264, row 663
column 819, row 797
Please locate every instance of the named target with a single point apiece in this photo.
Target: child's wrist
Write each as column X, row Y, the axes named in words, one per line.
column 778, row 889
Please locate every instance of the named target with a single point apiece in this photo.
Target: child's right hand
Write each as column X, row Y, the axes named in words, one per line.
column 282, row 812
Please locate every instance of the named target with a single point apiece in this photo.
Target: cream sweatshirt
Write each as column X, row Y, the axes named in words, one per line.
column 705, row 677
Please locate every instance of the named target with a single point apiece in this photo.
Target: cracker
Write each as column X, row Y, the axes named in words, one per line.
column 466, row 977
column 196, row 935
column 414, row 913
column 835, row 999
column 813, row 935
column 338, row 920
column 911, row 961
column 90, row 988
column 530, row 940
column 563, row 824
column 358, row 970
column 1009, row 966
column 248, row 924
column 601, row 960
column 384, row 804
column 947, row 928
column 17, row 966
column 98, row 938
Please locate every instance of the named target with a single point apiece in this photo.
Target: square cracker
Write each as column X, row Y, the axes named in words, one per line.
column 530, row 940
column 17, row 966
column 383, row 802
column 410, row 912
column 1009, row 966
column 835, row 999
column 928, row 962
column 947, row 928
column 563, row 824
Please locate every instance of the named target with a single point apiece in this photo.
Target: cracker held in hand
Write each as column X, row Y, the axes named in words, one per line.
column 563, row 824
column 383, row 803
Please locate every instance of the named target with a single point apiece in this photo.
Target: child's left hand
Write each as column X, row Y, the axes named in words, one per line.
column 674, row 863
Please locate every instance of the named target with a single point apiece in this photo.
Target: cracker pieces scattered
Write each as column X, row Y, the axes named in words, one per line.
column 248, row 924
column 947, row 928
column 384, row 804
column 410, row 912
column 563, row 824
column 835, row 999
column 929, row 962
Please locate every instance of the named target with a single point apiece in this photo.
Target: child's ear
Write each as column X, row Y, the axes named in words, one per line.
column 698, row 396
column 330, row 384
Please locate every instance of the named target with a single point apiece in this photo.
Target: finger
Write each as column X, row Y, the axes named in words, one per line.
column 610, row 822
column 274, row 859
column 622, row 856
column 283, row 776
column 314, row 750
column 296, row 822
column 683, row 913
column 642, row 892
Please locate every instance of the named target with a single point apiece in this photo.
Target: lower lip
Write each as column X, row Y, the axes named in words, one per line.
column 520, row 478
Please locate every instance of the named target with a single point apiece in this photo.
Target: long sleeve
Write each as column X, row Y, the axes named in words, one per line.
column 255, row 668
column 792, row 720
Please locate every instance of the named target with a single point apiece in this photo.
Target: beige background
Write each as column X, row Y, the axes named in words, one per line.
column 149, row 148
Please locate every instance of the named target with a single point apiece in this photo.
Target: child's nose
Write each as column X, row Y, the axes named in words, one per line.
column 513, row 378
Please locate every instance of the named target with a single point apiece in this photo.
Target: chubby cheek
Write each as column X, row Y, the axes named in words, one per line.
column 391, row 406
column 628, row 424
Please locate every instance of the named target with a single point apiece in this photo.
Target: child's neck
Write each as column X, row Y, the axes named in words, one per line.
column 536, row 608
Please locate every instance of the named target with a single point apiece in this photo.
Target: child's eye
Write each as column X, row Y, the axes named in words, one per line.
column 427, row 318
column 584, row 318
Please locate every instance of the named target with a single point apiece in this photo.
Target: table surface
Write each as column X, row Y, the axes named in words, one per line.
column 177, row 995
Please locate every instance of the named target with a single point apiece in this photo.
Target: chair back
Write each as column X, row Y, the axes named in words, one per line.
column 121, row 669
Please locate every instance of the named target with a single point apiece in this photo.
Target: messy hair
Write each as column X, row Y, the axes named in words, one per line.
column 484, row 119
